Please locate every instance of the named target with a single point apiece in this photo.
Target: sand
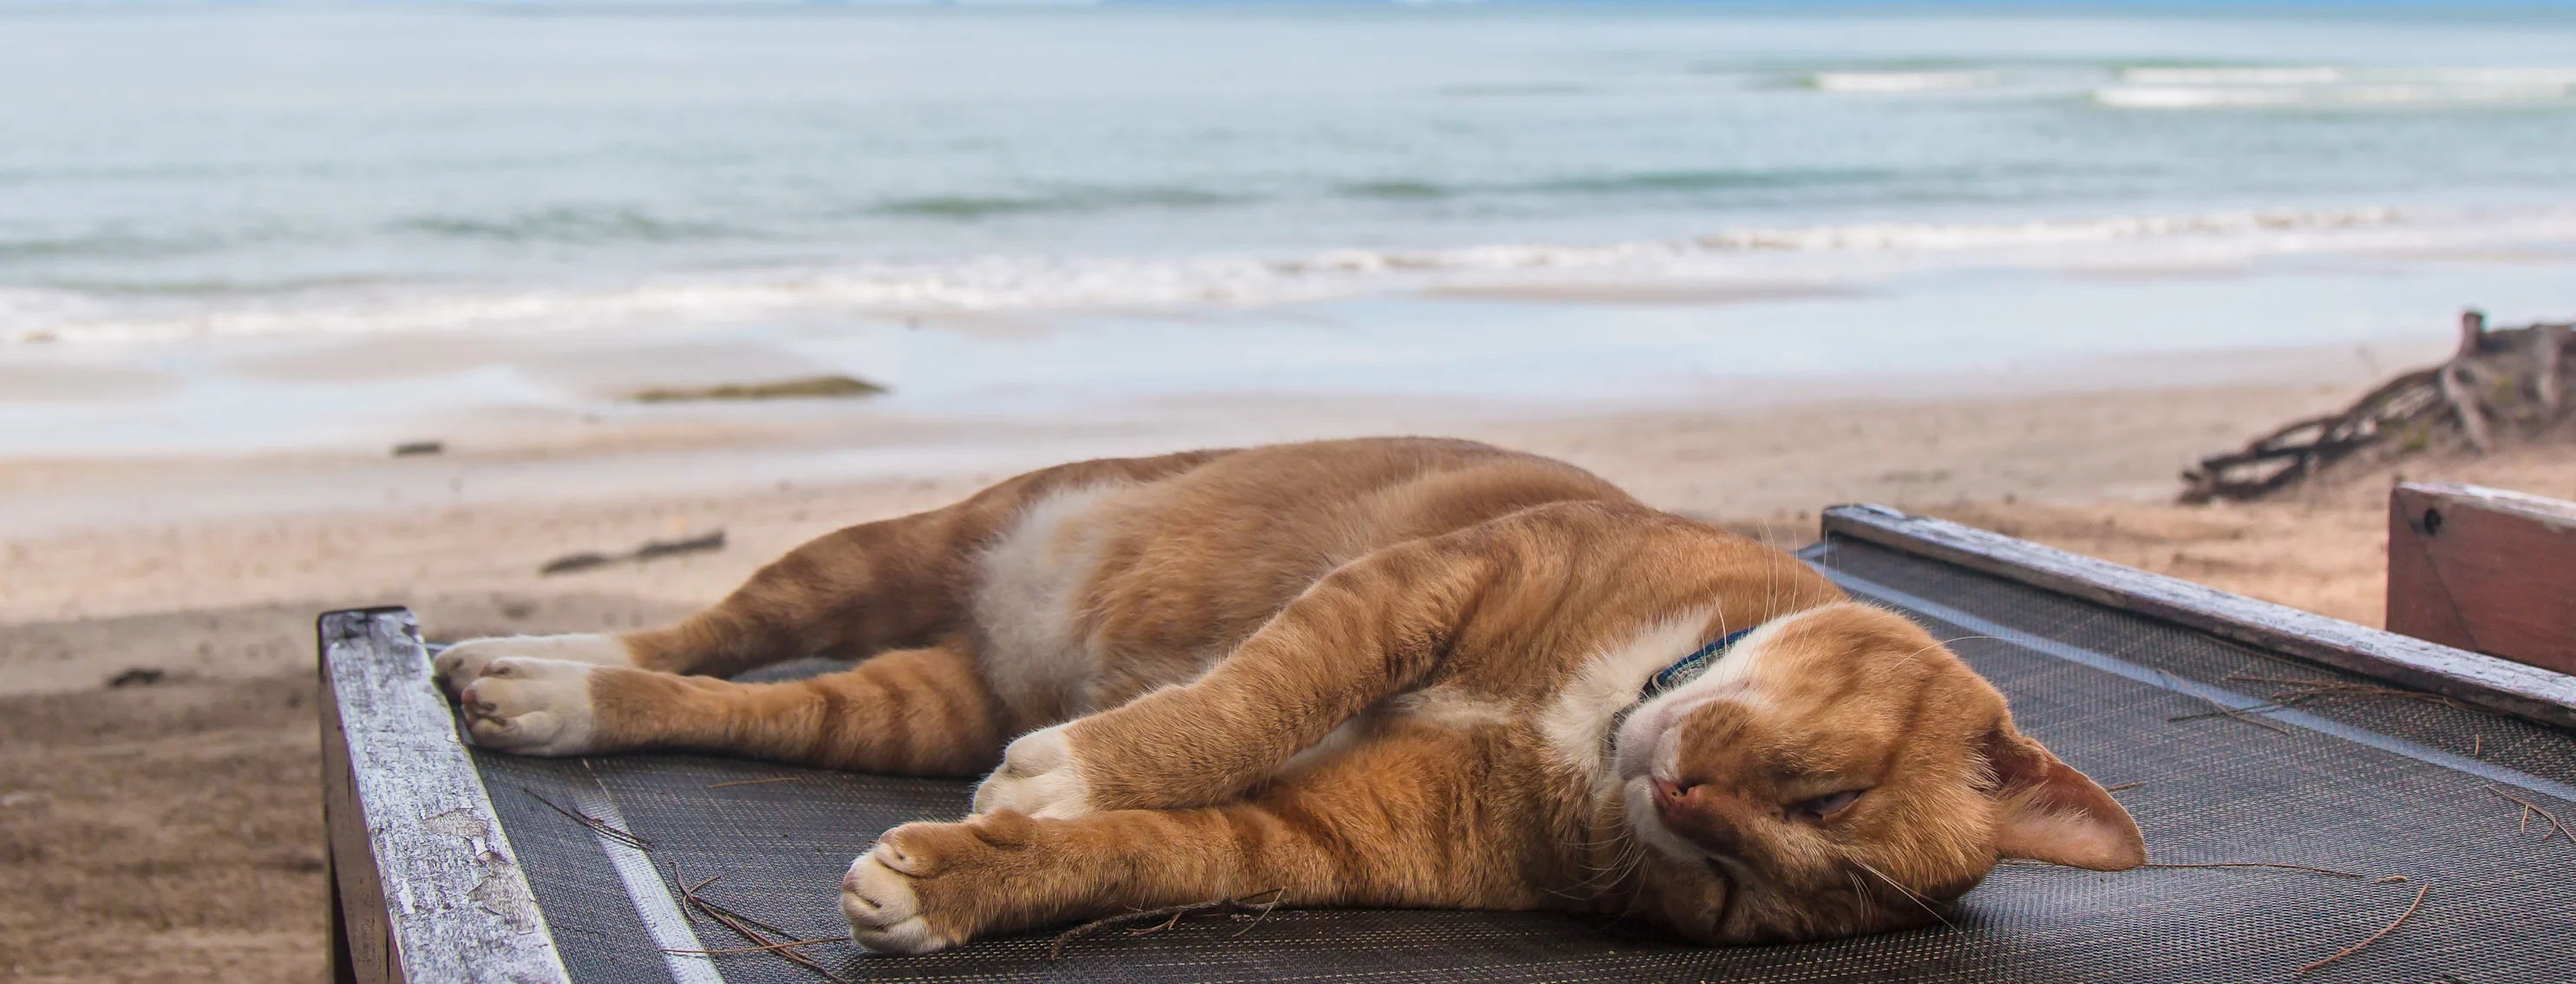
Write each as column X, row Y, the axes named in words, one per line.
column 172, row 828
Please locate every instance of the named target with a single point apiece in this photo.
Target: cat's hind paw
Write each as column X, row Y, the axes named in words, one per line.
column 1039, row 776
column 532, row 706
column 463, row 663
column 878, row 898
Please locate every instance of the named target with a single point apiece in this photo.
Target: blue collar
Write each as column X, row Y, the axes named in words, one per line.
column 1691, row 666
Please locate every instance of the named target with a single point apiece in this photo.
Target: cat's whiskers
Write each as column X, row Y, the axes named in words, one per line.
column 1630, row 854
column 1918, row 900
column 1770, row 591
column 1861, row 893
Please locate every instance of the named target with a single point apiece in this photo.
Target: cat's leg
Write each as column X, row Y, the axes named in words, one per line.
column 875, row 586
column 915, row 711
column 1388, row 836
column 1373, row 628
column 854, row 591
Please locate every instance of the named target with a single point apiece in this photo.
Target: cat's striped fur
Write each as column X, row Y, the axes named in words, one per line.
column 1382, row 672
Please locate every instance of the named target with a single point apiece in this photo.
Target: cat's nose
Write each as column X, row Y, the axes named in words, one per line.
column 1678, row 800
column 1691, row 810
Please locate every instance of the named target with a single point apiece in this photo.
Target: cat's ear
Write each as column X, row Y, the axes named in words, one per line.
column 2050, row 812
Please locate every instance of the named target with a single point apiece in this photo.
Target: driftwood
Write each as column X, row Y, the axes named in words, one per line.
column 2501, row 379
column 651, row 549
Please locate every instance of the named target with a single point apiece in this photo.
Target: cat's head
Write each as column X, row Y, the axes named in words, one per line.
column 1839, row 772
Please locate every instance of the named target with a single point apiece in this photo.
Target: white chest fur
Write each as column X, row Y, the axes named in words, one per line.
column 1577, row 724
column 1029, row 603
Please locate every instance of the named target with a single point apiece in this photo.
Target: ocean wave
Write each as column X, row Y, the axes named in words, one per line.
column 1515, row 89
column 1007, row 283
column 1612, row 185
column 115, row 244
column 1667, row 181
column 1922, row 81
column 1067, row 201
column 1397, row 189
column 2231, row 76
column 568, row 224
column 2327, row 86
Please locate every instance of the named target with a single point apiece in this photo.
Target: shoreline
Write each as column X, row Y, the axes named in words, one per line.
column 499, row 454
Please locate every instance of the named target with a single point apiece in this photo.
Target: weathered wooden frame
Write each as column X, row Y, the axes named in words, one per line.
column 2504, row 686
column 2484, row 570
column 424, row 884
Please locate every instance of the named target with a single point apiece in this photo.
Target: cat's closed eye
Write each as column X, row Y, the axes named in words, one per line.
column 1822, row 807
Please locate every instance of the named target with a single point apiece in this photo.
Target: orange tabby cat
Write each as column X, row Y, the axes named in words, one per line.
column 1387, row 672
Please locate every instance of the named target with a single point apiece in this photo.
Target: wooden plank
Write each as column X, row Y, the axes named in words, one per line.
column 430, row 889
column 2499, row 685
column 364, row 938
column 344, row 968
column 2484, row 570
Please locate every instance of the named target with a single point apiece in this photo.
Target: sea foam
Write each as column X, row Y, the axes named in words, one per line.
column 2329, row 87
column 1903, row 81
column 1800, row 254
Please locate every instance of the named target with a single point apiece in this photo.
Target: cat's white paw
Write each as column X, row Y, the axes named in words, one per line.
column 884, row 911
column 531, row 706
column 464, row 662
column 1039, row 777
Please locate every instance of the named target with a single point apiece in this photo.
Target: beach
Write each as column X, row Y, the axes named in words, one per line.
column 172, row 826
column 317, row 307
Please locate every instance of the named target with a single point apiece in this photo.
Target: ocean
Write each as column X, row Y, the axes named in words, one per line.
column 1018, row 206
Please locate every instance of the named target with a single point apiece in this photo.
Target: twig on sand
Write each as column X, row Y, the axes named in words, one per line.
column 650, row 550
column 755, row 782
column 666, row 548
column 750, row 929
column 604, row 828
column 1170, row 916
column 2374, row 937
column 2529, row 808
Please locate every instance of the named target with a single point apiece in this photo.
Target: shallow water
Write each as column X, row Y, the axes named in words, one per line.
column 1020, row 208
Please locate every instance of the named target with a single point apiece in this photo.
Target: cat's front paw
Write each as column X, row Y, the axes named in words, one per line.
column 463, row 663
column 532, row 706
column 880, row 900
column 1039, row 776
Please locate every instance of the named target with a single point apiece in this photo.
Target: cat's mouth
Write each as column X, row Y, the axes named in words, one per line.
column 1732, row 876
column 1645, row 753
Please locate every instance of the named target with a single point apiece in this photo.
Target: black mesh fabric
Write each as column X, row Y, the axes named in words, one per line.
column 2501, row 903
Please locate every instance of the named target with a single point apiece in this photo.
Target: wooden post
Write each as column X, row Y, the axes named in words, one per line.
column 2462, row 395
column 2460, row 391
column 429, row 889
column 2484, row 570
column 2548, row 347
